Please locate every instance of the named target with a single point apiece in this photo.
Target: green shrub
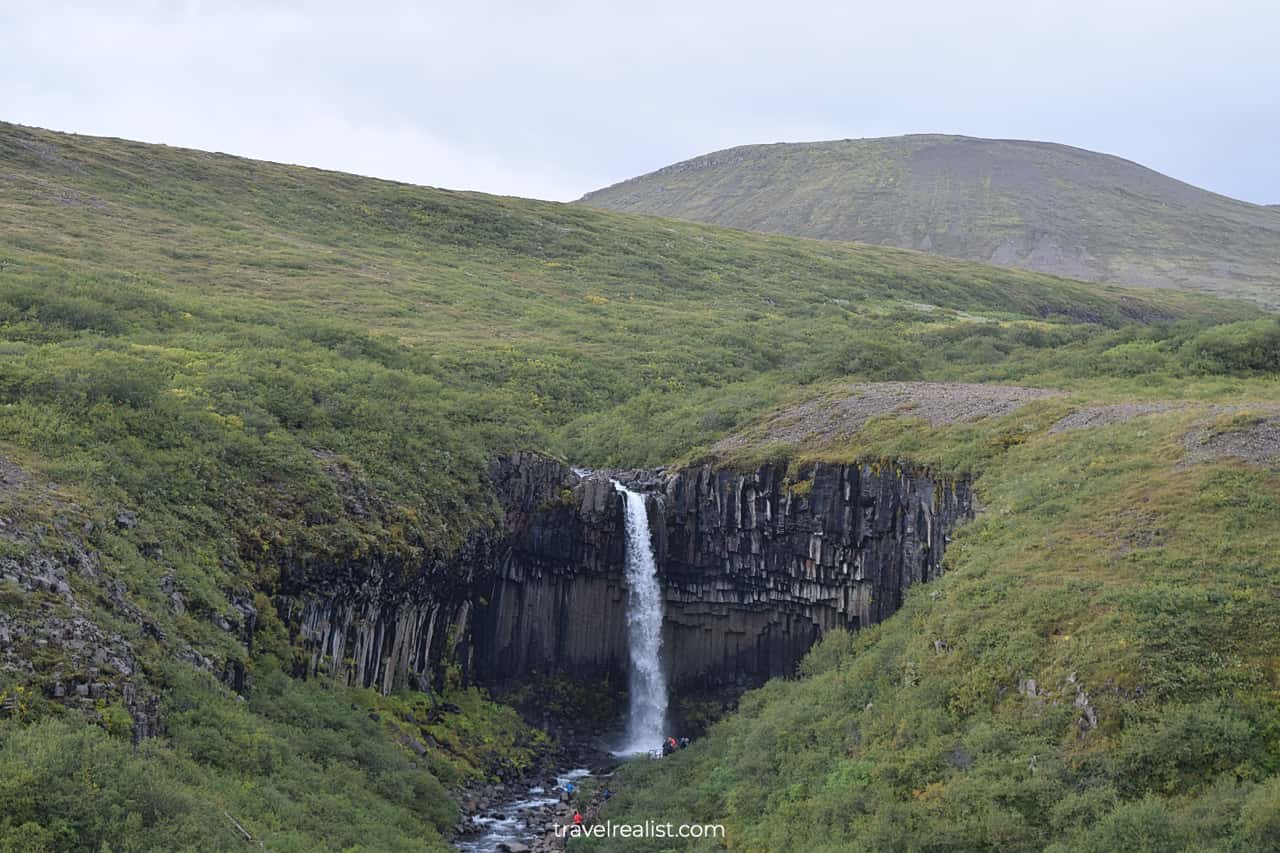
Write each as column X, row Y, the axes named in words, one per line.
column 1185, row 748
column 1260, row 819
column 880, row 359
column 1249, row 346
column 1146, row 826
column 1136, row 358
column 297, row 766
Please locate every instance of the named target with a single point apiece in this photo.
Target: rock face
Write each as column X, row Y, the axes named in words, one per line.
column 381, row 623
column 53, row 638
column 755, row 569
column 385, row 623
column 557, row 599
column 755, row 566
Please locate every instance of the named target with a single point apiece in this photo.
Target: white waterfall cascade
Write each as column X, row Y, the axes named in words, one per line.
column 647, row 717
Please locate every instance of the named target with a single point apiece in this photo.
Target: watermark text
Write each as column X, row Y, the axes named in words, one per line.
column 645, row 829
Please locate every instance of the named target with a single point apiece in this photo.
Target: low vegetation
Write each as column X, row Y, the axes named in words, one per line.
column 270, row 365
column 1098, row 670
column 293, row 764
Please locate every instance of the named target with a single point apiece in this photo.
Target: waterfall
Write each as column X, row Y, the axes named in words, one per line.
column 646, row 720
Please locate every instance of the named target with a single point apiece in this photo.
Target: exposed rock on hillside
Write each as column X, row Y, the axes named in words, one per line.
column 1095, row 416
column 838, row 416
column 53, row 599
column 1253, row 438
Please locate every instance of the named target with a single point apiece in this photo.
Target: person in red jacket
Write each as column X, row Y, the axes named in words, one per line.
column 577, row 818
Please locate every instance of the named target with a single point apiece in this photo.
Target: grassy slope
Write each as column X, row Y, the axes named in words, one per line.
column 180, row 333
column 1104, row 569
column 1106, row 219
column 245, row 312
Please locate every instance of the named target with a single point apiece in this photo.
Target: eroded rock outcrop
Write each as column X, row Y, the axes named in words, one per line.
column 62, row 619
column 756, row 565
column 382, row 622
column 557, row 599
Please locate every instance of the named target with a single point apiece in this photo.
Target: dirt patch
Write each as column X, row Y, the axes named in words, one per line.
column 841, row 415
column 1253, row 436
column 1135, row 528
column 12, row 478
column 1096, row 416
column 48, row 153
column 1256, row 441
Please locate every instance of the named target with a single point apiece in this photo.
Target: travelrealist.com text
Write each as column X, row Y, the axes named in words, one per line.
column 648, row 829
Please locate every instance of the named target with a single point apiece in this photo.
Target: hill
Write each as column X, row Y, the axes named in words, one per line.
column 217, row 373
column 1097, row 670
column 1028, row 205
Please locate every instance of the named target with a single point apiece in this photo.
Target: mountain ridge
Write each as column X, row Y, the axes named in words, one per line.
column 1024, row 204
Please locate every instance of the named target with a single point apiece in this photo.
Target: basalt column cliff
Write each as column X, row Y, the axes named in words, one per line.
column 755, row 566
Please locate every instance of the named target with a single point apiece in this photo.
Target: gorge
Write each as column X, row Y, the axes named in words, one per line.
column 753, row 567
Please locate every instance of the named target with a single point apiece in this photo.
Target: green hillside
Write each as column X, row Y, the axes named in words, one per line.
column 191, row 345
column 1029, row 205
column 1098, row 669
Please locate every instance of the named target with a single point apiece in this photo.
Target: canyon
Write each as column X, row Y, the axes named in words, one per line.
column 755, row 565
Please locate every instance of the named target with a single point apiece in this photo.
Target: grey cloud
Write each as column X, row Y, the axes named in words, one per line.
column 552, row 99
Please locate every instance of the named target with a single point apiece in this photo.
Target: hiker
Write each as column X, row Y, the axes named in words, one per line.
column 606, row 794
column 684, row 741
column 568, row 788
column 577, row 818
column 668, row 747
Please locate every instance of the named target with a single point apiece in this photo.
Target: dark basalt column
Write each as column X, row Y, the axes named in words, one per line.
column 756, row 568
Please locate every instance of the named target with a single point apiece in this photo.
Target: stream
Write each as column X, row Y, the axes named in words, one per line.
column 520, row 822
column 524, row 822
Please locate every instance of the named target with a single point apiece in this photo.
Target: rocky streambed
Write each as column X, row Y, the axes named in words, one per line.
column 522, row 821
column 521, row 817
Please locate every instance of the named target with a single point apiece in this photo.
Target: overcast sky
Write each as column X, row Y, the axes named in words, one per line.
column 551, row 99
